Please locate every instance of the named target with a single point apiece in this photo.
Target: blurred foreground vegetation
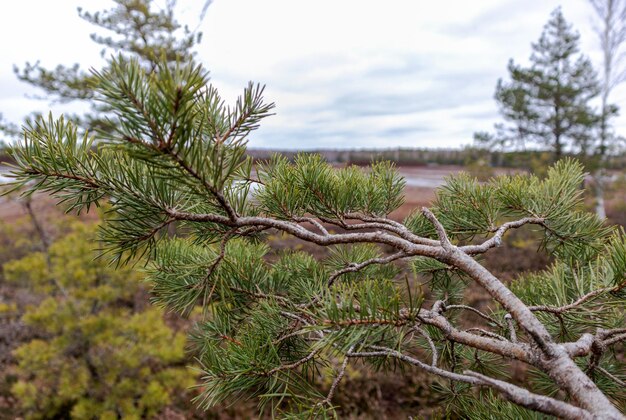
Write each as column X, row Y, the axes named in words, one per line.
column 94, row 347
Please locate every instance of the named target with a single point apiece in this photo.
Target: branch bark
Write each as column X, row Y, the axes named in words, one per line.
column 513, row 393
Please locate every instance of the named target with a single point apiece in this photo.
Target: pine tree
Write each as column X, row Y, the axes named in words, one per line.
column 140, row 29
column 547, row 104
column 272, row 324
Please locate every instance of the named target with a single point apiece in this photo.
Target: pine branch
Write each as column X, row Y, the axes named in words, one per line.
column 532, row 401
column 302, row 233
column 179, row 158
column 511, row 392
column 496, row 239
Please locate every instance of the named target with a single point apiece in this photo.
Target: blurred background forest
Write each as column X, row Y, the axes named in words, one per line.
column 79, row 338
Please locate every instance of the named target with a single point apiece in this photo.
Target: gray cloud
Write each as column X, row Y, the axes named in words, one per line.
column 398, row 74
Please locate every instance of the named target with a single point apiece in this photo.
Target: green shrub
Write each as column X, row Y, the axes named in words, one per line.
column 100, row 355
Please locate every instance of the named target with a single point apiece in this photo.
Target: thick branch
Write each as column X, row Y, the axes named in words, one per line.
column 511, row 392
column 319, row 239
column 557, row 363
column 532, row 401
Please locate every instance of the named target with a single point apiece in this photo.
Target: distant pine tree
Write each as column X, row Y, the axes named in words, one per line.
column 548, row 103
column 138, row 28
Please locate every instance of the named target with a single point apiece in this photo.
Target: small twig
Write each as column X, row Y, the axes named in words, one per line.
column 231, row 339
column 155, row 230
column 565, row 308
column 259, row 295
column 496, row 239
column 221, row 255
column 452, row 358
column 207, row 297
column 476, row 311
column 294, row 316
column 338, row 378
column 441, row 231
column 511, row 324
column 313, row 222
column 253, row 180
column 487, row 333
column 611, row 376
column 593, row 361
column 290, row 335
column 615, row 339
column 608, row 333
column 292, row 365
column 351, row 268
column 439, row 307
column 431, row 343
column 286, row 314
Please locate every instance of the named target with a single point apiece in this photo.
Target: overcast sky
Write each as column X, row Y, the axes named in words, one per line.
column 343, row 73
